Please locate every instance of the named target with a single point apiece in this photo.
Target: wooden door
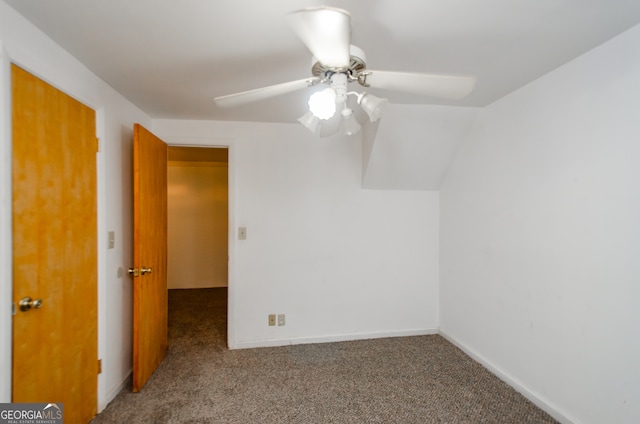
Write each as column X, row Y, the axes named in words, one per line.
column 55, row 355
column 150, row 295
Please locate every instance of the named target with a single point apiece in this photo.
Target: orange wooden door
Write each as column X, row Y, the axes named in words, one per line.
column 55, row 355
column 150, row 307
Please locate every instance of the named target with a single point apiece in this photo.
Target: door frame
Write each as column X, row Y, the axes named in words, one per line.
column 229, row 144
column 34, row 66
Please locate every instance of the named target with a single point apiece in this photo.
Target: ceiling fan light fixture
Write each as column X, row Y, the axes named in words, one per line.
column 372, row 105
column 323, row 103
column 350, row 125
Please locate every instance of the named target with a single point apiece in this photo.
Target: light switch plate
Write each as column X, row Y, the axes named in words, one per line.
column 242, row 233
column 112, row 239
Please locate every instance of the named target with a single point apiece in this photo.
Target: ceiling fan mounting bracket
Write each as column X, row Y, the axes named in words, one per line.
column 355, row 68
column 362, row 78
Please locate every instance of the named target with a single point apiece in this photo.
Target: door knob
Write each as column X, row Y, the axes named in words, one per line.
column 133, row 272
column 144, row 270
column 27, row 303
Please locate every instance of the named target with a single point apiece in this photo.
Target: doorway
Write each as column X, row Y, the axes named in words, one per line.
column 198, row 220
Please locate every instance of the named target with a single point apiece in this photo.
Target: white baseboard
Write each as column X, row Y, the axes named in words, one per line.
column 534, row 397
column 330, row 338
column 114, row 392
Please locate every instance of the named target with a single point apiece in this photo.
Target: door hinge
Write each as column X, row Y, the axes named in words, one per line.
column 99, row 366
column 97, row 144
column 13, row 309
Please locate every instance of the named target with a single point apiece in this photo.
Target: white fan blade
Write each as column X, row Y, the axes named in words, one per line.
column 326, row 31
column 443, row 86
column 244, row 97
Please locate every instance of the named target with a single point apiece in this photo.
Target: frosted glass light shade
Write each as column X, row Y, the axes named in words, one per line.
column 311, row 121
column 323, row 103
column 350, row 125
column 373, row 106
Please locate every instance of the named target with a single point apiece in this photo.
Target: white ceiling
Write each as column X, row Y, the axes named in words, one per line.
column 171, row 57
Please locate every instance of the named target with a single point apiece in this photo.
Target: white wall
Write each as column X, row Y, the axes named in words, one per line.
column 540, row 237
column 26, row 46
column 197, row 229
column 341, row 262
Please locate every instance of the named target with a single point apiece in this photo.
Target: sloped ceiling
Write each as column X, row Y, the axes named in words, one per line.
column 413, row 146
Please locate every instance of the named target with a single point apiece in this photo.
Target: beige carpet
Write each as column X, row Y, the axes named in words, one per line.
column 421, row 379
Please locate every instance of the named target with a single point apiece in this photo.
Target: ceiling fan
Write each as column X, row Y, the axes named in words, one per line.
column 326, row 31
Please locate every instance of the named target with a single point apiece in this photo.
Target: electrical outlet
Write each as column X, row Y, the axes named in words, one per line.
column 272, row 320
column 280, row 320
column 242, row 233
